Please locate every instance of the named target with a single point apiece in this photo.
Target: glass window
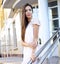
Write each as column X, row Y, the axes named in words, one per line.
column 54, row 12
column 54, row 3
column 55, row 24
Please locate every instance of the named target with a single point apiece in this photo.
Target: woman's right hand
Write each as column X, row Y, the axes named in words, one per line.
column 33, row 57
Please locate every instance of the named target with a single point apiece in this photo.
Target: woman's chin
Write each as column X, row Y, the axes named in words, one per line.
column 29, row 17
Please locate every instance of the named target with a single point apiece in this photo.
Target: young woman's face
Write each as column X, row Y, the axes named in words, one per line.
column 28, row 12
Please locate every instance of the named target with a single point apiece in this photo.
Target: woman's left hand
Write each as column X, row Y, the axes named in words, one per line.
column 33, row 45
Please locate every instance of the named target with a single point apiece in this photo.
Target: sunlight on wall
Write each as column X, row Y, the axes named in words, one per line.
column 18, row 26
column 6, row 13
column 1, row 17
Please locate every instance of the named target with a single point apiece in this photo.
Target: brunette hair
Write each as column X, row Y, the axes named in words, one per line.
column 24, row 22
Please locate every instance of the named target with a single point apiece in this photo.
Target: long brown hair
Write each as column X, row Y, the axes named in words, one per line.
column 24, row 22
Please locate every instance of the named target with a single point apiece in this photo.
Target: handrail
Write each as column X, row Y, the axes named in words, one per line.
column 48, row 51
column 52, row 51
column 42, row 48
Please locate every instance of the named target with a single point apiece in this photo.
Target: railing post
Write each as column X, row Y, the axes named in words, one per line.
column 14, row 35
column 9, row 41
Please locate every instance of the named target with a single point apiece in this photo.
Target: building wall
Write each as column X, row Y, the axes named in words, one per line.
column 51, row 19
column 59, row 23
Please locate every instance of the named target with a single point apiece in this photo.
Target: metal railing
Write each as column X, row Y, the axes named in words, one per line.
column 49, row 50
column 44, row 46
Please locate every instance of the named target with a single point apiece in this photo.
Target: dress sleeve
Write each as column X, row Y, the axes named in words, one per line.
column 36, row 21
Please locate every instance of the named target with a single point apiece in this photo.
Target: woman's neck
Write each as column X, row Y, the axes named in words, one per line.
column 29, row 19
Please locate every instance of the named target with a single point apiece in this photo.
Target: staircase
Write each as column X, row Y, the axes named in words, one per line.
column 48, row 57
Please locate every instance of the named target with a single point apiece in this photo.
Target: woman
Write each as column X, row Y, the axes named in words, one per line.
column 30, row 29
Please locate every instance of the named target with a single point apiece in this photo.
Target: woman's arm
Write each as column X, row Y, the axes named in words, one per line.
column 35, row 38
column 26, row 44
column 35, row 33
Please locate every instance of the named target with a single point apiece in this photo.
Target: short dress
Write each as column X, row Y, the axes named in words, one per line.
column 29, row 38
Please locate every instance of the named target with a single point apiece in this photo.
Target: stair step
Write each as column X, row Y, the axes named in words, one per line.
column 10, row 59
column 52, row 60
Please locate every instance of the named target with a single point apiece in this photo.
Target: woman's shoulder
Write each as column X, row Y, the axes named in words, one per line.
column 35, row 21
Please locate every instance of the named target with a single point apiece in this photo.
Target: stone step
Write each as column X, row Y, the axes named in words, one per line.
column 10, row 59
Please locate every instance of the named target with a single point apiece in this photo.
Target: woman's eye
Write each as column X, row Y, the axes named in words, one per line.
column 25, row 10
column 30, row 9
